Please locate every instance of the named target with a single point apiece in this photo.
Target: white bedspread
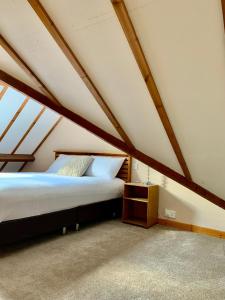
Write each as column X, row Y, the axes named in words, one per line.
column 29, row 194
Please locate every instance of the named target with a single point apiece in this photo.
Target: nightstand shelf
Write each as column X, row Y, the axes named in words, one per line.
column 137, row 199
column 140, row 204
column 138, row 222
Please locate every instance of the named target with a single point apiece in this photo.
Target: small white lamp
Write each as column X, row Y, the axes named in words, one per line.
column 148, row 180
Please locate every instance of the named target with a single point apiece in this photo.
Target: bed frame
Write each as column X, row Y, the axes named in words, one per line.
column 15, row 230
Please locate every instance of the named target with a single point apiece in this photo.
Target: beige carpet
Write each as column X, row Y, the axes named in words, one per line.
column 112, row 260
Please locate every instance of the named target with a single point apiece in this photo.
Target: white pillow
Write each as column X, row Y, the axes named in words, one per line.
column 58, row 163
column 104, row 166
column 76, row 166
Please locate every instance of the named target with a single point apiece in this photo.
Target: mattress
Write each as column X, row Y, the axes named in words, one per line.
column 30, row 194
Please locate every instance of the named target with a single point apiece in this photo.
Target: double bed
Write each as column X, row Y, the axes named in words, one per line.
column 36, row 203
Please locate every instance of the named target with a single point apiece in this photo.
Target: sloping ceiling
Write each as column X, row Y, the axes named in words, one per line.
column 183, row 41
column 24, row 124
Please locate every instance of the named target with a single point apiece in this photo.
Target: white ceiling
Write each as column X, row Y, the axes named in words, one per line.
column 183, row 41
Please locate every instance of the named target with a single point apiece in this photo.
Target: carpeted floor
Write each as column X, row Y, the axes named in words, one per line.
column 112, row 260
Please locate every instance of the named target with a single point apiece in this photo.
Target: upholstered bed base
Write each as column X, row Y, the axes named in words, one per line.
column 15, row 230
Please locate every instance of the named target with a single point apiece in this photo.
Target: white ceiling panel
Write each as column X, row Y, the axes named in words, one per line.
column 8, row 65
column 93, row 32
column 32, row 41
column 184, row 44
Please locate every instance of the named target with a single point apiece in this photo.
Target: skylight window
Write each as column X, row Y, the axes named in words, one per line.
column 24, row 123
column 9, row 105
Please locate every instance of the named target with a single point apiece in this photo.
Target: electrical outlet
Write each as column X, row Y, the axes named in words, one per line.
column 170, row 213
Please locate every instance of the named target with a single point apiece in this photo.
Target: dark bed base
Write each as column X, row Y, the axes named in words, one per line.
column 16, row 230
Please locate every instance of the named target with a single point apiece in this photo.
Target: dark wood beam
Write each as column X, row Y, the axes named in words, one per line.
column 23, row 88
column 3, row 91
column 25, row 134
column 57, row 36
column 163, row 169
column 14, row 118
column 15, row 56
column 223, row 9
column 138, row 53
column 29, row 129
column 42, row 142
column 16, row 157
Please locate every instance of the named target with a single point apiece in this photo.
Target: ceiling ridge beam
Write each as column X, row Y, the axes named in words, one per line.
column 21, row 63
column 60, row 41
column 132, row 38
column 156, row 165
column 26, row 133
column 43, row 140
column 16, row 115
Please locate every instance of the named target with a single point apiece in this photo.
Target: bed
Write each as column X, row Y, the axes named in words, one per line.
column 35, row 203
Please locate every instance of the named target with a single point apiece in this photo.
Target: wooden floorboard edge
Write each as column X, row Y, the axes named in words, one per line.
column 192, row 228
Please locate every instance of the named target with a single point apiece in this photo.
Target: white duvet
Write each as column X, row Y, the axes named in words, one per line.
column 29, row 194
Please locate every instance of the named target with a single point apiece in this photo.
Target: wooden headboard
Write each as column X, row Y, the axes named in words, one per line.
column 125, row 171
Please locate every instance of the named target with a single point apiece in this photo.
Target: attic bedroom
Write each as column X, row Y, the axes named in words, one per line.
column 112, row 150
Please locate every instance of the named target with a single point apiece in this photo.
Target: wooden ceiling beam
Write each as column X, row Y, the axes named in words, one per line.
column 47, row 135
column 16, row 157
column 23, row 88
column 25, row 134
column 14, row 118
column 163, row 169
column 132, row 38
column 57, row 36
column 30, row 128
column 21, row 63
column 3, row 91
column 42, row 142
column 223, row 9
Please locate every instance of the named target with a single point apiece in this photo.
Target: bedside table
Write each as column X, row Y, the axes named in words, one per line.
column 140, row 204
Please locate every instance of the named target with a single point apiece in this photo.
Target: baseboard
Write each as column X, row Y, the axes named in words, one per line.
column 193, row 228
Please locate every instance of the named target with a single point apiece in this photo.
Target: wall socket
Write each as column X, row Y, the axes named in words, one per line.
column 170, row 213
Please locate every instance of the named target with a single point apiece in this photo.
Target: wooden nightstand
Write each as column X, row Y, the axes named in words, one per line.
column 140, row 204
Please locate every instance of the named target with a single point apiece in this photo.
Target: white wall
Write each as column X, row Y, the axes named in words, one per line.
column 190, row 208
column 67, row 136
